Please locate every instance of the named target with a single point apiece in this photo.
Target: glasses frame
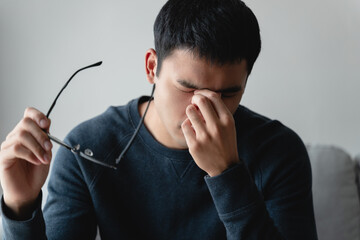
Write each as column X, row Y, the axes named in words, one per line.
column 88, row 153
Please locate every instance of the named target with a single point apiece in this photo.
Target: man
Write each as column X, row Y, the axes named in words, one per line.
column 201, row 167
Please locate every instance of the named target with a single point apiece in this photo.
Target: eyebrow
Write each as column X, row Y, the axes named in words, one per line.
column 188, row 84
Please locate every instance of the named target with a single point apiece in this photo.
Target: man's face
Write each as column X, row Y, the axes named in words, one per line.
column 181, row 74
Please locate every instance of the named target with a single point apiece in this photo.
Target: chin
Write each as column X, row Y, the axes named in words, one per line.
column 180, row 140
column 183, row 145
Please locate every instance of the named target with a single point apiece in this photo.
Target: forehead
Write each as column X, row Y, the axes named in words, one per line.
column 184, row 65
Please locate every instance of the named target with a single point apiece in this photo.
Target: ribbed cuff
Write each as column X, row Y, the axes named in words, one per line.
column 32, row 228
column 232, row 190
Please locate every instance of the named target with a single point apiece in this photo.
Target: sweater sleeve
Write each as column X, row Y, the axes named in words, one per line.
column 32, row 228
column 68, row 212
column 281, row 208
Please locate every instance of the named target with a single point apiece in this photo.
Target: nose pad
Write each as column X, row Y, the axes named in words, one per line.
column 88, row 152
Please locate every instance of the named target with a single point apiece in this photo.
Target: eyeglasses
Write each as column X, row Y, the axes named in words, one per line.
column 88, row 153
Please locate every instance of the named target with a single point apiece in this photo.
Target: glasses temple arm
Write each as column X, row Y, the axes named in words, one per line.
column 58, row 141
column 54, row 102
column 137, row 129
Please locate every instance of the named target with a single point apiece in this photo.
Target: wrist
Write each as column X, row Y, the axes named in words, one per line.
column 220, row 169
column 20, row 210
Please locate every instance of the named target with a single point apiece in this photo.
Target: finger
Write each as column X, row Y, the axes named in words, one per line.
column 30, row 142
column 218, row 104
column 189, row 133
column 40, row 136
column 28, row 125
column 37, row 117
column 195, row 119
column 206, row 107
column 18, row 151
column 26, row 139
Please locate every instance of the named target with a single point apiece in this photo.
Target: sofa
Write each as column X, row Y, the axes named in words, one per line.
column 336, row 193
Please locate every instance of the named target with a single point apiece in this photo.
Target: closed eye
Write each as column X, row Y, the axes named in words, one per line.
column 228, row 95
column 185, row 90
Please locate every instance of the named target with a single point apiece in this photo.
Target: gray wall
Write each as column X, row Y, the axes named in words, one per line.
column 307, row 75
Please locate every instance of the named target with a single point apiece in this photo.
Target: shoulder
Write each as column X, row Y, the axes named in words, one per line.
column 114, row 121
column 270, row 148
column 260, row 130
column 106, row 134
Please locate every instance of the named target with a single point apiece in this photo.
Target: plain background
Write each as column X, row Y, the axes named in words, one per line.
column 307, row 74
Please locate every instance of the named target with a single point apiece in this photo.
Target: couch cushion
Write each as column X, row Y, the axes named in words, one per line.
column 335, row 193
column 357, row 167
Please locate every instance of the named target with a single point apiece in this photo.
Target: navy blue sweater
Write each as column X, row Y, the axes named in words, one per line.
column 160, row 193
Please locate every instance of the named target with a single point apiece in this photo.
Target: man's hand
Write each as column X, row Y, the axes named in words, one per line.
column 210, row 133
column 24, row 162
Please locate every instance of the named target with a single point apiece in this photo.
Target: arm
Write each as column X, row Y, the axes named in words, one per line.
column 31, row 228
column 24, row 165
column 68, row 213
column 283, row 210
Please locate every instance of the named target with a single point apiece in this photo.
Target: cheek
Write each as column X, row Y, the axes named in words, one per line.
column 180, row 101
column 232, row 103
column 173, row 104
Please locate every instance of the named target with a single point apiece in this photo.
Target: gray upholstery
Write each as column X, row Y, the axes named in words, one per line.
column 357, row 167
column 335, row 192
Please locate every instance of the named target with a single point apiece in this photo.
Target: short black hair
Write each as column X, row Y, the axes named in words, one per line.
column 221, row 31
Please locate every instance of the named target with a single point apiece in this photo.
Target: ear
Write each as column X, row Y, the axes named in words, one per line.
column 150, row 65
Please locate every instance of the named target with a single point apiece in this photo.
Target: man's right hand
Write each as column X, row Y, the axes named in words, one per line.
column 24, row 162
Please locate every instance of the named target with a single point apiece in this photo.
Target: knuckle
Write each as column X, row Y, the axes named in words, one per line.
column 29, row 155
column 25, row 121
column 190, row 112
column 16, row 148
column 203, row 139
column 187, row 110
column 213, row 95
column 228, row 120
column 202, row 99
column 39, row 150
column 22, row 134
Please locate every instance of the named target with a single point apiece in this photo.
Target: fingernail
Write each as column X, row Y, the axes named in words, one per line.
column 46, row 157
column 43, row 123
column 47, row 145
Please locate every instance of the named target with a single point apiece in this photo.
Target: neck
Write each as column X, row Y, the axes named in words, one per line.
column 155, row 126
